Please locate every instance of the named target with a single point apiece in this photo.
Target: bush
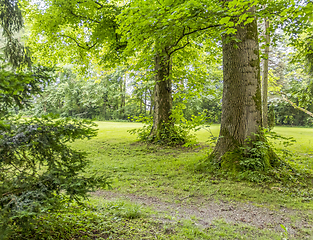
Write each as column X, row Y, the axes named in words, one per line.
column 174, row 133
column 39, row 172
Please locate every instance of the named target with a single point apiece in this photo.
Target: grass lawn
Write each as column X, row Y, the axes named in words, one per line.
column 168, row 174
column 157, row 194
column 302, row 149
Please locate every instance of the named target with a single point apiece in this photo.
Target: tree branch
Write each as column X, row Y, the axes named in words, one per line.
column 99, row 4
column 184, row 34
column 295, row 105
column 82, row 17
column 178, row 48
column 77, row 43
column 201, row 29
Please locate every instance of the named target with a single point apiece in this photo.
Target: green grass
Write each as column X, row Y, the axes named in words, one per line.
column 101, row 219
column 302, row 149
column 169, row 174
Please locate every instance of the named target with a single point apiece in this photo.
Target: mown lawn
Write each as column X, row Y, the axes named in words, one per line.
column 302, row 149
column 169, row 174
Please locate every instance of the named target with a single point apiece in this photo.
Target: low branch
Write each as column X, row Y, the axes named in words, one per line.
column 297, row 107
column 178, row 48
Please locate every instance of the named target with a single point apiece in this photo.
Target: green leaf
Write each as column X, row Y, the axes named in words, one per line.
column 224, row 20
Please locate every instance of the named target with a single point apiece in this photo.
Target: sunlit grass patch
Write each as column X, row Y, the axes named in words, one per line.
column 169, row 173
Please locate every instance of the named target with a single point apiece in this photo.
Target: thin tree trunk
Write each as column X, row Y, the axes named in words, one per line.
column 117, row 102
column 104, row 110
column 265, row 75
column 162, row 94
column 122, row 93
column 145, row 101
column 151, row 102
column 241, row 104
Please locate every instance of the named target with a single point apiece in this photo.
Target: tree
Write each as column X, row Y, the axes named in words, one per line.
column 293, row 21
column 153, row 40
column 240, row 134
column 11, row 21
column 265, row 73
column 38, row 170
column 297, row 90
column 241, row 104
column 101, row 97
column 81, row 33
column 166, row 28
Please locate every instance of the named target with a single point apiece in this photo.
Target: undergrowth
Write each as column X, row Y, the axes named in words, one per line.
column 258, row 161
column 177, row 132
column 122, row 220
column 87, row 221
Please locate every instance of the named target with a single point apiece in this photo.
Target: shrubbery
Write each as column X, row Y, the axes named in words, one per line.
column 178, row 132
column 39, row 172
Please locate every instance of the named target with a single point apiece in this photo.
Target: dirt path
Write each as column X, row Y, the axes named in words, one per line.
column 208, row 210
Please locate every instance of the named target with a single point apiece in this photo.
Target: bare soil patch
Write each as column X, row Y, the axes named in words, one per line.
column 205, row 211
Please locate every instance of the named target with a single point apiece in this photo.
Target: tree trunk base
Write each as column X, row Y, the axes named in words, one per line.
column 247, row 159
column 168, row 134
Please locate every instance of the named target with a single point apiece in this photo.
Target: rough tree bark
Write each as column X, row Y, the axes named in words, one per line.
column 265, row 75
column 241, row 104
column 162, row 95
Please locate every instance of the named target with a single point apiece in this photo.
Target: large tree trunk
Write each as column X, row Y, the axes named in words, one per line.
column 265, row 75
column 241, row 104
column 162, row 95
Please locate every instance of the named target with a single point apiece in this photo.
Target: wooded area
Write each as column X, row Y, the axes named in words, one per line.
column 211, row 89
